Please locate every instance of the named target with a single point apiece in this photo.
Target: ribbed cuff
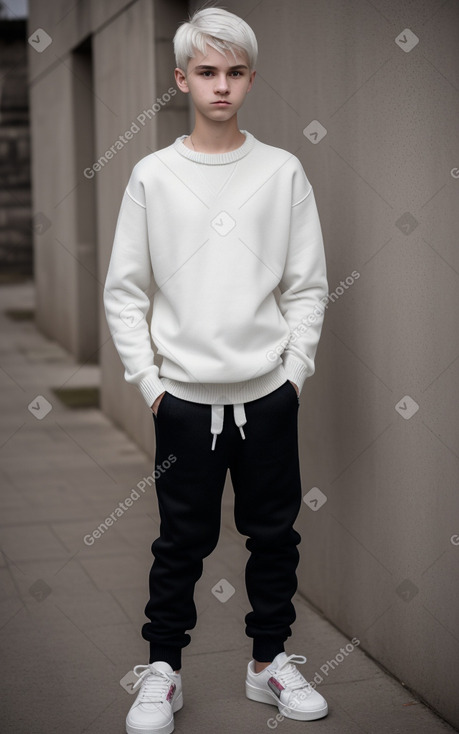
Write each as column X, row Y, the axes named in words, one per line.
column 171, row 655
column 265, row 649
column 295, row 370
column 151, row 387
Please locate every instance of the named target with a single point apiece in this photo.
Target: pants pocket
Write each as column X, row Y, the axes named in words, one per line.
column 159, row 409
column 294, row 392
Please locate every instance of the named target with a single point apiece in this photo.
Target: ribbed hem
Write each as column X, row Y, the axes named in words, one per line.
column 265, row 649
column 215, row 159
column 227, row 393
column 171, row 655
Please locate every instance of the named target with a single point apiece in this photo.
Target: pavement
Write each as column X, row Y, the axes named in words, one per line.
column 72, row 599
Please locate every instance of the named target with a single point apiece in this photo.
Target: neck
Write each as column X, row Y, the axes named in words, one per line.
column 209, row 136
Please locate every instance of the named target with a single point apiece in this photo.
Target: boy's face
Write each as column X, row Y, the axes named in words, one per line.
column 217, row 86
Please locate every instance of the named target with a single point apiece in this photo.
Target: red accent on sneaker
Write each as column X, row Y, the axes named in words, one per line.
column 171, row 692
column 275, row 686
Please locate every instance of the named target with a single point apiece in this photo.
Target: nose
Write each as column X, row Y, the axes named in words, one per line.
column 221, row 84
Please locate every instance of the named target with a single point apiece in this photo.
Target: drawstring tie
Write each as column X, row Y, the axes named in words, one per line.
column 218, row 412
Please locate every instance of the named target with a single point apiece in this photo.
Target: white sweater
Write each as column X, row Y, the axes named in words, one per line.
column 215, row 234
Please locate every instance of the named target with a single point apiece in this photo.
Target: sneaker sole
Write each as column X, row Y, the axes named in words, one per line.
column 166, row 728
column 258, row 694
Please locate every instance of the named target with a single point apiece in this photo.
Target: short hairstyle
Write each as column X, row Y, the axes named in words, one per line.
column 219, row 28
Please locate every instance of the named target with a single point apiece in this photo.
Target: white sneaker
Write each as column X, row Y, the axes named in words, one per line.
column 282, row 685
column 160, row 696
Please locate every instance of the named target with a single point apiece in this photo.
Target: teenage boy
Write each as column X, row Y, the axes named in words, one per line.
column 219, row 220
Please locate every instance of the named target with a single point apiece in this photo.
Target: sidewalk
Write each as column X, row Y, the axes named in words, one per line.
column 71, row 611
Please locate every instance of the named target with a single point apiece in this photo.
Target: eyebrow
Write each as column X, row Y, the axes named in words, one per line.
column 214, row 68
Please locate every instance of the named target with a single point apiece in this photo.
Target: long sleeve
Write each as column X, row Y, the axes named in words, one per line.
column 125, row 298
column 303, row 287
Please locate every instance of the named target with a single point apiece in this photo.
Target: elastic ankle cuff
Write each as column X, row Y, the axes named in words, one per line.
column 266, row 648
column 171, row 655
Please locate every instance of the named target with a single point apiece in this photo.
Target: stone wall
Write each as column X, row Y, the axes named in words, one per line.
column 16, row 253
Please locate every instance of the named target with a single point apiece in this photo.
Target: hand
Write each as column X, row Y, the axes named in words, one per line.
column 296, row 388
column 155, row 405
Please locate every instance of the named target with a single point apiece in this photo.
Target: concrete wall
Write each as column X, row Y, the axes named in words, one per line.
column 377, row 556
column 142, row 31
column 84, row 97
column 379, row 550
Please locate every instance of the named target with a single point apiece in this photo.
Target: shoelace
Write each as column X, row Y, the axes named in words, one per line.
column 289, row 676
column 154, row 684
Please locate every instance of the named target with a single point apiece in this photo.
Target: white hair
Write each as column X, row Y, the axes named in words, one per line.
column 219, row 28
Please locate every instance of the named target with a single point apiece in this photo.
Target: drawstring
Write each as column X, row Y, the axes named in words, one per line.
column 216, row 427
column 218, row 412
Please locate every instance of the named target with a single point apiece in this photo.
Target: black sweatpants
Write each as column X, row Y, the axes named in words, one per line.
column 265, row 474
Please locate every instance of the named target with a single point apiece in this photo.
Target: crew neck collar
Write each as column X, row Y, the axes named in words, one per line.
column 215, row 158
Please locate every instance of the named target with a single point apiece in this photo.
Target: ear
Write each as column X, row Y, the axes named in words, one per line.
column 181, row 81
column 252, row 79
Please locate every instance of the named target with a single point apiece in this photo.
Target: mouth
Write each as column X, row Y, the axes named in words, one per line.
column 221, row 102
